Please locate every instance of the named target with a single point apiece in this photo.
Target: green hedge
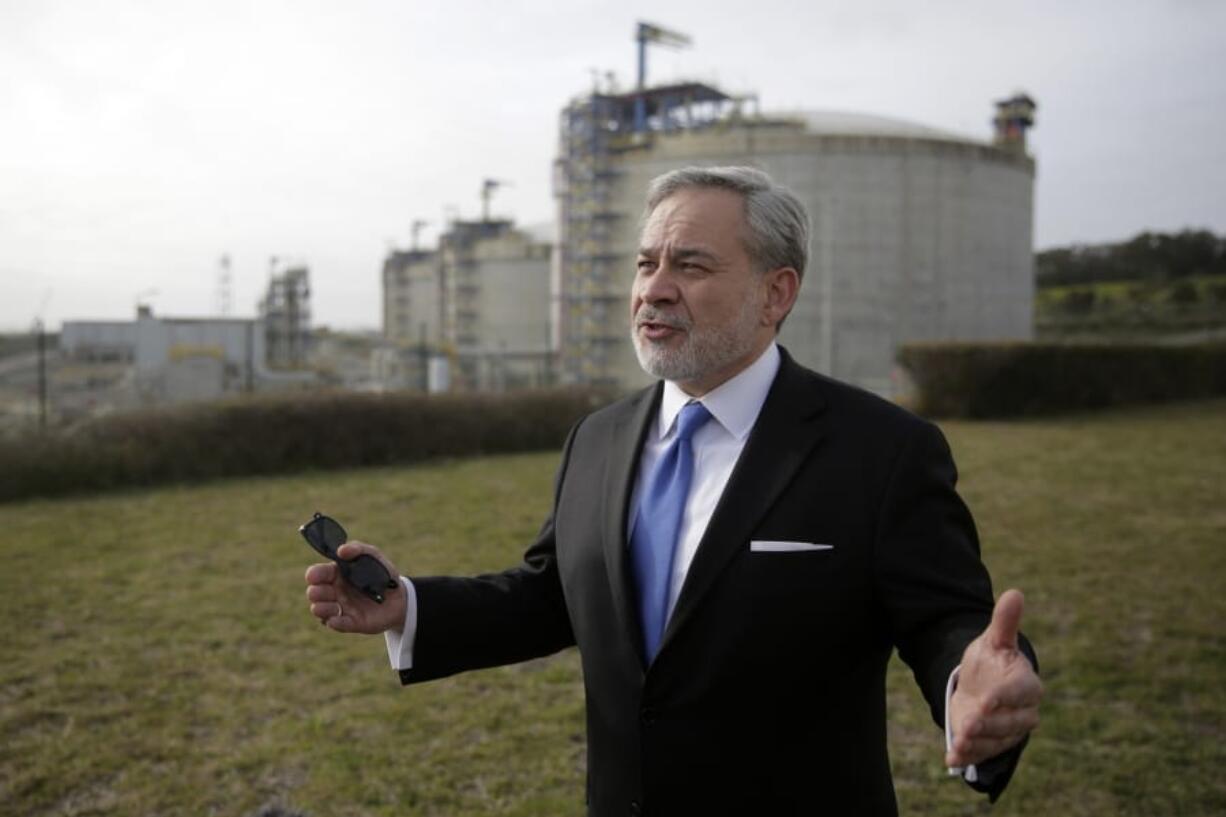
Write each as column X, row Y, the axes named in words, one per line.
column 1014, row 379
column 283, row 434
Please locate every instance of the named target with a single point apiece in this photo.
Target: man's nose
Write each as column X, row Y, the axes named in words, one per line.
column 659, row 286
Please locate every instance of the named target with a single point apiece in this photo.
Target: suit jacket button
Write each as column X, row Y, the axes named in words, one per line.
column 635, row 808
column 648, row 715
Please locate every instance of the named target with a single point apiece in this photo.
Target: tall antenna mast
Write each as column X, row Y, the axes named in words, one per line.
column 649, row 33
column 415, row 228
column 487, row 192
column 225, row 296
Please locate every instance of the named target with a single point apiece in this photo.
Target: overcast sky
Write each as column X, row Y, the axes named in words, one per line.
column 140, row 141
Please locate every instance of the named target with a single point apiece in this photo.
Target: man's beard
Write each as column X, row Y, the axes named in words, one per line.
column 702, row 351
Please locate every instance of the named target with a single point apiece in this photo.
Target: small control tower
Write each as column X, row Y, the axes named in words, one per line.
column 1013, row 117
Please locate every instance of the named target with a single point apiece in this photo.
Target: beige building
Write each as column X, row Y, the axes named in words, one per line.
column 411, row 296
column 917, row 234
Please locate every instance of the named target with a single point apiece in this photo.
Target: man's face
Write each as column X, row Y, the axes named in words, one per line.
column 700, row 312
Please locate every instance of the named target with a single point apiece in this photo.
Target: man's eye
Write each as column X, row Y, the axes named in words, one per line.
column 645, row 266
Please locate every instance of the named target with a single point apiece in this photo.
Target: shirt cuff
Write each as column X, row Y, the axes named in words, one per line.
column 400, row 642
column 968, row 773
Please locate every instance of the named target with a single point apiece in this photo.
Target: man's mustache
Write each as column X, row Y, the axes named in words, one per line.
column 650, row 314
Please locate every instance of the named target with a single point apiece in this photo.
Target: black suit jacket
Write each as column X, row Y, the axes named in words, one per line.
column 768, row 693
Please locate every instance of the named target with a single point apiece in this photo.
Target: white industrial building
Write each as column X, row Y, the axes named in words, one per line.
column 177, row 360
column 917, row 234
column 98, row 341
column 412, row 293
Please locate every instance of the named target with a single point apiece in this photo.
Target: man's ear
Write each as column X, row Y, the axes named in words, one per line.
column 782, row 286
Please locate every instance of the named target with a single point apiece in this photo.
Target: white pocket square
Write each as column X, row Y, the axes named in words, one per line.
column 769, row 546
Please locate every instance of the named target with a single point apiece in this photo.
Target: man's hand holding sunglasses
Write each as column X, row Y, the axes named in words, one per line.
column 345, row 609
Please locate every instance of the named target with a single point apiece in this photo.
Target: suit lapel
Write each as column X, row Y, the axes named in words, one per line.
column 788, row 428
column 625, row 447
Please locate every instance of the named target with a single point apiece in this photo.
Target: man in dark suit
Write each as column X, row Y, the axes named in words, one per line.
column 736, row 551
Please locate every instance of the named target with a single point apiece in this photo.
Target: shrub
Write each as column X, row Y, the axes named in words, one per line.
column 281, row 434
column 1078, row 301
column 954, row 379
column 1184, row 293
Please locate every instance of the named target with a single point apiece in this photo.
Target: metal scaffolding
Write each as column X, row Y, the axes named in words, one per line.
column 596, row 131
column 286, row 313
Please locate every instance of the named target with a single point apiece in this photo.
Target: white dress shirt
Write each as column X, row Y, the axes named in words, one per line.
column 734, row 406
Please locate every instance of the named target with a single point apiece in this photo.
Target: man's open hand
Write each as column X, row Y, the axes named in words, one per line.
column 346, row 609
column 996, row 702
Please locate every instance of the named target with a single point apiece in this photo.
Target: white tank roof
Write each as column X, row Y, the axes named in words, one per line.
column 846, row 123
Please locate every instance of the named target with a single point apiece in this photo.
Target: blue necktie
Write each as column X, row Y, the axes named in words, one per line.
column 654, row 540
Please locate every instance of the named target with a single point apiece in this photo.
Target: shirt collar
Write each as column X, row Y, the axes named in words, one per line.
column 735, row 403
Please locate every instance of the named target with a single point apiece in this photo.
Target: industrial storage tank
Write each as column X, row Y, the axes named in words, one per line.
column 917, row 234
column 480, row 301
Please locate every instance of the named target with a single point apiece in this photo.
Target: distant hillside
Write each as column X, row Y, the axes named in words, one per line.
column 1150, row 257
column 1168, row 284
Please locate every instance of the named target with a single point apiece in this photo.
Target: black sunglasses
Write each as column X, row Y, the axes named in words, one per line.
column 365, row 572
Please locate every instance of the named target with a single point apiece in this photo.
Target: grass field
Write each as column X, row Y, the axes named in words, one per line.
column 1206, row 288
column 158, row 658
column 1131, row 308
